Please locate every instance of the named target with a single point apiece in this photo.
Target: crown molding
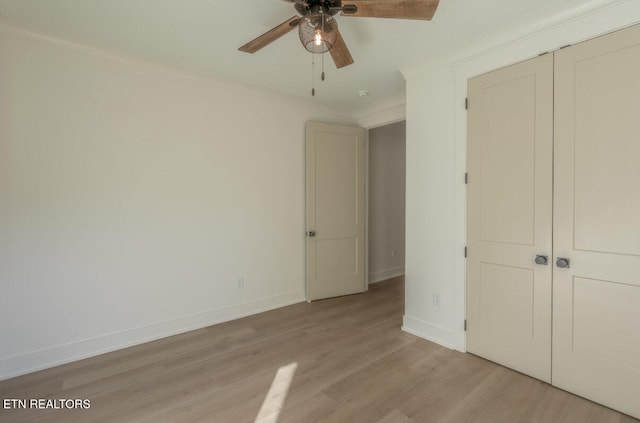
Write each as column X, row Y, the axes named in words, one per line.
column 531, row 25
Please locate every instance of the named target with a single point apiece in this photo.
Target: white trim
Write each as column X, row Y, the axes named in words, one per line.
column 428, row 331
column 531, row 25
column 366, row 210
column 394, row 111
column 43, row 359
column 383, row 275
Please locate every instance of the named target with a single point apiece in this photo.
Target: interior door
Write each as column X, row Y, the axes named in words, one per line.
column 596, row 328
column 510, row 147
column 335, row 210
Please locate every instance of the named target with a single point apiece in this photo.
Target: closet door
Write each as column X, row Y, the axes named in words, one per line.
column 596, row 298
column 510, row 147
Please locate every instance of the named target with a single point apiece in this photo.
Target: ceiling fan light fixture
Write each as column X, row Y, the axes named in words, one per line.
column 318, row 32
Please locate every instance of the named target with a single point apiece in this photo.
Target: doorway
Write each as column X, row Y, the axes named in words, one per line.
column 352, row 242
column 386, row 201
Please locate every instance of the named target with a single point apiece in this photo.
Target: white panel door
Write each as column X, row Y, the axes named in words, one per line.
column 596, row 328
column 510, row 147
column 335, row 210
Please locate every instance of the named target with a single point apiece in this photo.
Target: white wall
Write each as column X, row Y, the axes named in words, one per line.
column 133, row 198
column 436, row 152
column 386, row 201
column 430, row 201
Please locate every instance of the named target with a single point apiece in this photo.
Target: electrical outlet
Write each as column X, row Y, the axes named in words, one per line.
column 436, row 299
column 240, row 282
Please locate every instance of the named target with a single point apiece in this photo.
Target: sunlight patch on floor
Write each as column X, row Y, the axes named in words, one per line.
column 274, row 401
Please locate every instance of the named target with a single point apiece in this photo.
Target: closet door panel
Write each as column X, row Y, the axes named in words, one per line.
column 509, row 216
column 596, row 300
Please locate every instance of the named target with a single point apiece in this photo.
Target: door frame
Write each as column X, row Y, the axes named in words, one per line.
column 391, row 116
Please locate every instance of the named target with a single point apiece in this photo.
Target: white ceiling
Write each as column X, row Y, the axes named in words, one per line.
column 203, row 36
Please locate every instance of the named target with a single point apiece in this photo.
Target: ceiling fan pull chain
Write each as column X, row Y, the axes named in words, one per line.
column 322, row 76
column 313, row 74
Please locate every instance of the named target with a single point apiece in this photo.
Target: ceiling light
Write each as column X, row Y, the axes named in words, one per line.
column 318, row 32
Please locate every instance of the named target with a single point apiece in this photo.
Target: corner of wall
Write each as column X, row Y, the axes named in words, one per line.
column 383, row 275
column 428, row 331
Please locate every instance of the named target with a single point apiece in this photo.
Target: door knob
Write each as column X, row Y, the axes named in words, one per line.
column 544, row 260
column 311, row 234
column 562, row 263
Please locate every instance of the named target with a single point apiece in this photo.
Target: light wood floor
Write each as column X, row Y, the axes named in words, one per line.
column 354, row 364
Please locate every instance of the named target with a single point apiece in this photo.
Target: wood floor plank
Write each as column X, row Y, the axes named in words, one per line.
column 352, row 361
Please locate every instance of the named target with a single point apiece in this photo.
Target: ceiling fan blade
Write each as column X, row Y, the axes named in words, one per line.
column 270, row 36
column 304, row 3
column 396, row 9
column 340, row 53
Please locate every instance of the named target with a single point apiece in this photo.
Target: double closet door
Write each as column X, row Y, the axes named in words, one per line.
column 553, row 267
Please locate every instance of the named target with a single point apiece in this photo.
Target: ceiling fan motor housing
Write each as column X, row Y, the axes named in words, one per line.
column 330, row 7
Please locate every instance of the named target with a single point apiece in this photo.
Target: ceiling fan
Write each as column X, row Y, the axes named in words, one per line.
column 318, row 29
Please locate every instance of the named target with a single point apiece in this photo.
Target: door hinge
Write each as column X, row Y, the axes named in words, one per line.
column 466, row 103
column 466, row 178
column 465, row 325
column 465, row 252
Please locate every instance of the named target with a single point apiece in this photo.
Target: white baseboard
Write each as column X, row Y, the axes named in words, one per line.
column 383, row 275
column 433, row 333
column 50, row 357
